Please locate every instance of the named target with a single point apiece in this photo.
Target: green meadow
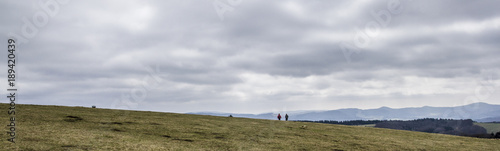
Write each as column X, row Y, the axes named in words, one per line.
column 48, row 128
column 490, row 127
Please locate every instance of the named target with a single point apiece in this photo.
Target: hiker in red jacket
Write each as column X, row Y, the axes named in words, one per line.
column 279, row 117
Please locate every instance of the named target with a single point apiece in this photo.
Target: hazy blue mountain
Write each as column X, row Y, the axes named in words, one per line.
column 490, row 119
column 477, row 111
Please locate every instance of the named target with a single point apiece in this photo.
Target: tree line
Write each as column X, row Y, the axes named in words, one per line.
column 462, row 127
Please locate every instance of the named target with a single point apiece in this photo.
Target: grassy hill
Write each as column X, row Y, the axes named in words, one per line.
column 79, row 128
column 490, row 127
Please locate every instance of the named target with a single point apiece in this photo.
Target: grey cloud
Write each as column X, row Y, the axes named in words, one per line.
column 92, row 52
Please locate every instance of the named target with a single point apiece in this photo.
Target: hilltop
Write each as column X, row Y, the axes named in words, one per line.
column 481, row 112
column 80, row 128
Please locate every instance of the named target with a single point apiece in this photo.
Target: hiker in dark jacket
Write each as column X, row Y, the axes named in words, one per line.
column 286, row 117
column 279, row 117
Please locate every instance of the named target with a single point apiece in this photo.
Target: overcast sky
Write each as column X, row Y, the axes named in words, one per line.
column 253, row 56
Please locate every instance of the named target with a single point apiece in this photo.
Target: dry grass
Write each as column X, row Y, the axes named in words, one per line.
column 78, row 128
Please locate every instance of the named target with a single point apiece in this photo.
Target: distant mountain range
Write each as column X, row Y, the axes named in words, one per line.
column 481, row 112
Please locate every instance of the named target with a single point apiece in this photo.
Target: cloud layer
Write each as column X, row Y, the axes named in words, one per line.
column 262, row 56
